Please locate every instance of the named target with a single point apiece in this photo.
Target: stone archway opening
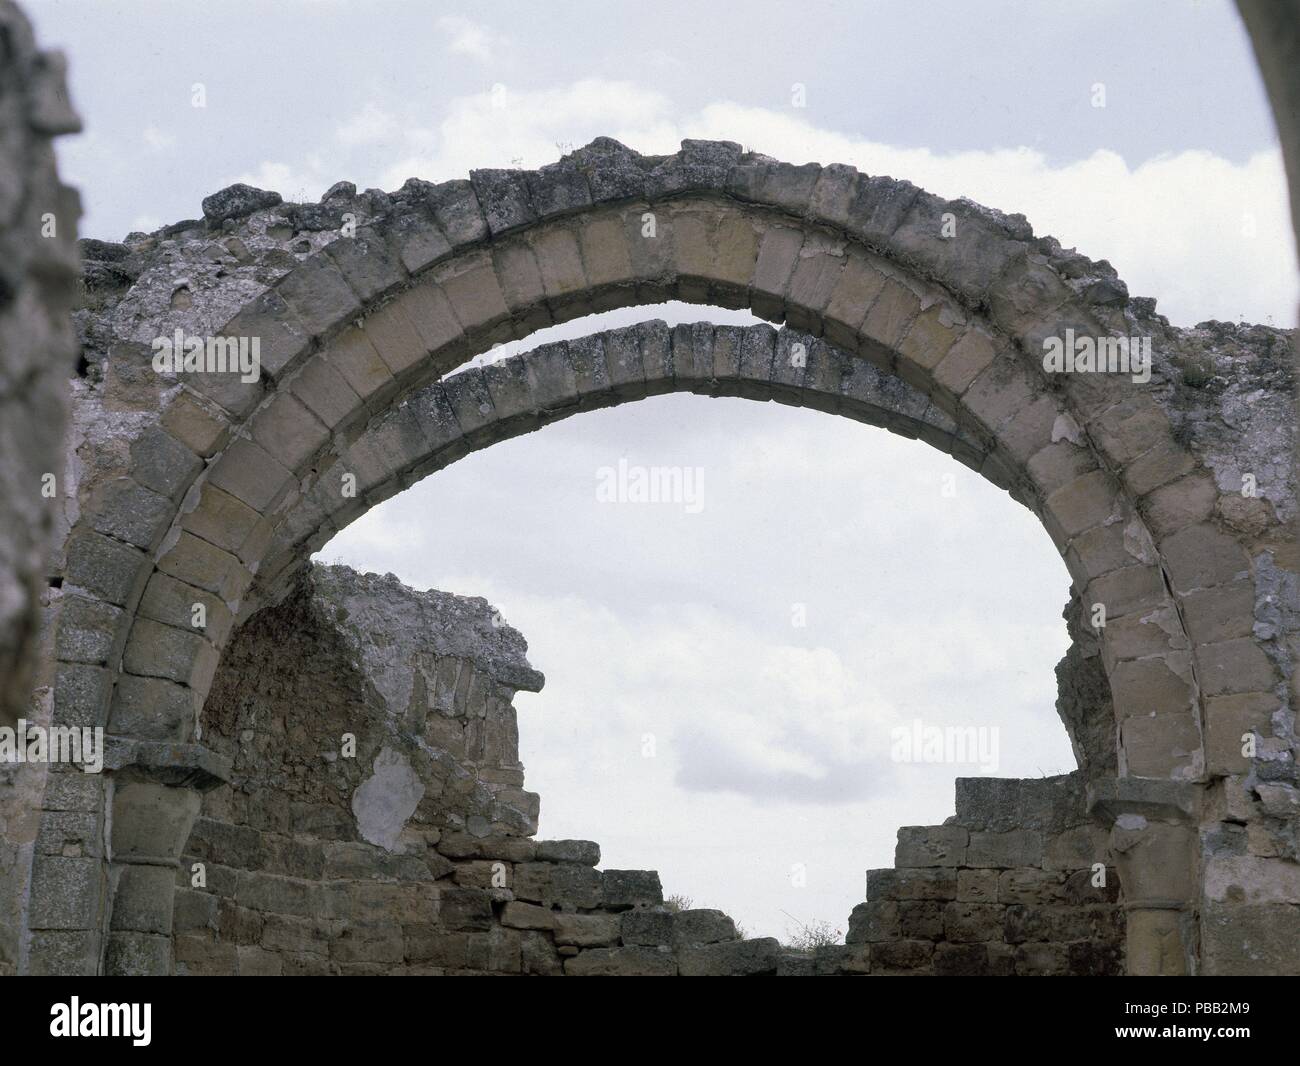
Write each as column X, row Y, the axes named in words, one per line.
column 906, row 932
column 819, row 639
column 223, row 487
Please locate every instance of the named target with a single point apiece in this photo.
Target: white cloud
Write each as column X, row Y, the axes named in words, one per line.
column 468, row 38
column 1208, row 237
column 515, row 127
column 302, row 184
column 156, row 140
column 771, row 743
column 371, row 125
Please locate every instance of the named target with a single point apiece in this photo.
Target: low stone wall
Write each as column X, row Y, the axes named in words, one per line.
column 376, row 821
column 1019, row 882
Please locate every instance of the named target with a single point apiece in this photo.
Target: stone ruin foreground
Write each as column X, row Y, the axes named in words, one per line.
column 1172, row 502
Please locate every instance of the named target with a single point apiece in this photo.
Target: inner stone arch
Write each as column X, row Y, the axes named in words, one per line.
column 461, row 835
column 545, row 384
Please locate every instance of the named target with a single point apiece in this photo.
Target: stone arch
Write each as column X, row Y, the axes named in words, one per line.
column 484, row 405
column 438, row 273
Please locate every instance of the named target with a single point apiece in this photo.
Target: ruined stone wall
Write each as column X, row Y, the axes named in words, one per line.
column 38, row 349
column 1021, row 881
column 178, row 487
column 413, row 851
column 416, row 854
column 39, row 264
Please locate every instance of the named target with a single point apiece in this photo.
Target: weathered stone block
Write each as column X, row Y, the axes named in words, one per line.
column 856, row 289
column 977, row 886
column 571, row 885
column 961, row 960
column 466, row 908
column 1152, row 686
column 367, row 263
column 130, row 954
column 584, row 930
column 622, row 962
column 624, row 889
column 282, row 339
column 1087, row 501
column 1229, row 721
column 288, row 431
column 152, row 708
column 468, row 846
column 1161, row 745
column 934, row 883
column 56, row 952
column 1201, row 556
column 87, row 630
column 143, row 900
column 778, row 255
column 873, row 922
column 518, row 915
column 1132, row 588
column 123, row 509
column 939, row 845
column 194, row 910
column 582, row 852
column 647, row 927
column 1181, row 503
column 353, row 356
column 965, row 361
column 428, row 309
column 901, row 956
column 379, row 943
column 1015, row 848
column 415, row 239
column 104, row 567
column 1029, row 886
column 1219, row 614
column 1042, row 960
column 560, row 262
column 471, row 286
column 702, row 926
column 81, row 695
column 65, row 892
column 738, row 958
column 249, row 473
column 1233, row 666
column 920, row 919
column 318, row 294
column 966, row 923
column 157, row 650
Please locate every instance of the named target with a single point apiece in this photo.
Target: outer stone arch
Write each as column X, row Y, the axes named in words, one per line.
column 440, row 273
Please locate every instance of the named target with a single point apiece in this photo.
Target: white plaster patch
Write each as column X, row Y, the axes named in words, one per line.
column 384, row 801
column 1066, row 428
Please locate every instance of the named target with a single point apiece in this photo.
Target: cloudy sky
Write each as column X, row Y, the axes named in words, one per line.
column 723, row 680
